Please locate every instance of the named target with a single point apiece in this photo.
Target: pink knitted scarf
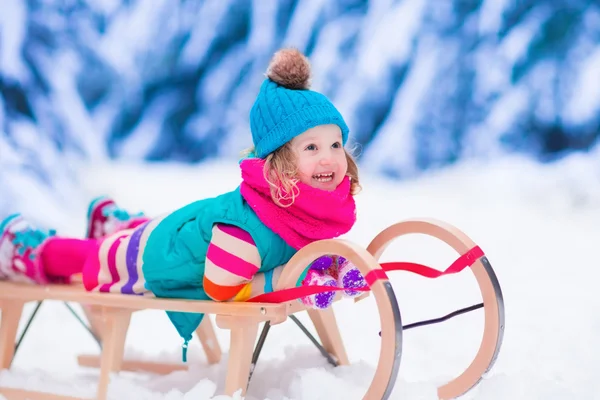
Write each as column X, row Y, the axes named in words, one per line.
column 315, row 214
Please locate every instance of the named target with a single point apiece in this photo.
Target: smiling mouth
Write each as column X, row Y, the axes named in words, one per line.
column 324, row 178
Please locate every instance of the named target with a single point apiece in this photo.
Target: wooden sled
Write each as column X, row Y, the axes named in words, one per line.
column 109, row 315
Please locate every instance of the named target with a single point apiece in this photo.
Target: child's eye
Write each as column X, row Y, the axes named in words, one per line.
column 336, row 145
column 311, row 147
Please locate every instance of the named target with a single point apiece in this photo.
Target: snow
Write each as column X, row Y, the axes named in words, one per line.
column 263, row 26
column 132, row 34
column 147, row 132
column 400, row 21
column 303, row 24
column 396, row 130
column 537, row 225
column 585, row 101
column 203, row 35
column 12, row 36
column 490, row 20
column 67, row 103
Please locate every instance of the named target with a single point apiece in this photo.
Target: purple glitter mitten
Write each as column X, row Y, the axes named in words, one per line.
column 349, row 278
column 319, row 300
column 322, row 263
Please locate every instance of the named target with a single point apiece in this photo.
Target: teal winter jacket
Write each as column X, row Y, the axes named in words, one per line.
column 174, row 255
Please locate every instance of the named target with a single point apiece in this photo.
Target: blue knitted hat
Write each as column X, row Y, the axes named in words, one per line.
column 285, row 107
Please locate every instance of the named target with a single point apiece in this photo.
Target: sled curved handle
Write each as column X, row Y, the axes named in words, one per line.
column 441, row 230
column 488, row 284
column 389, row 312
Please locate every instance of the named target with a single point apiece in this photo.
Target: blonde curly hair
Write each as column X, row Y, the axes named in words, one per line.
column 281, row 173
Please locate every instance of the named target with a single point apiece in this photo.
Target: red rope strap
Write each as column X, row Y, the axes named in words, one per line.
column 285, row 295
column 462, row 262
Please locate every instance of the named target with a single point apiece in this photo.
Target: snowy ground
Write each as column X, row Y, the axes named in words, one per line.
column 538, row 226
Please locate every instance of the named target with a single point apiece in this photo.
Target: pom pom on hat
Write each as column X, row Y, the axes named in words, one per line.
column 285, row 106
column 290, row 68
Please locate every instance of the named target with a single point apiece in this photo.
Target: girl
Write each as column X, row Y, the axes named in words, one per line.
column 297, row 187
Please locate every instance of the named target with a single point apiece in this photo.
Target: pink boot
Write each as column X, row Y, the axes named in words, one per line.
column 20, row 249
column 105, row 218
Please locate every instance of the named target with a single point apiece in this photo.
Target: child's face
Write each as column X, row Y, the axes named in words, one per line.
column 321, row 158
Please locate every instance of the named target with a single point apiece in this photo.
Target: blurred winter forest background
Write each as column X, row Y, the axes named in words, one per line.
column 422, row 84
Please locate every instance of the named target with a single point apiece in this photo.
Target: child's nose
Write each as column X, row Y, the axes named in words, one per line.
column 326, row 158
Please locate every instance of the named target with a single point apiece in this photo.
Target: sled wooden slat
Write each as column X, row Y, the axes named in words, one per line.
column 20, row 394
column 205, row 332
column 75, row 293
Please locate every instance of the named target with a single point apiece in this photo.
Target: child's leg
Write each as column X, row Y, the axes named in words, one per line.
column 64, row 257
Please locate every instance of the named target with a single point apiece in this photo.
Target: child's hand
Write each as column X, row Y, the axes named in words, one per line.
column 332, row 271
column 323, row 300
column 349, row 277
column 327, row 265
column 322, row 263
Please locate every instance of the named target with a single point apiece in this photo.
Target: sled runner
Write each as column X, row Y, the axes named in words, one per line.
column 109, row 316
